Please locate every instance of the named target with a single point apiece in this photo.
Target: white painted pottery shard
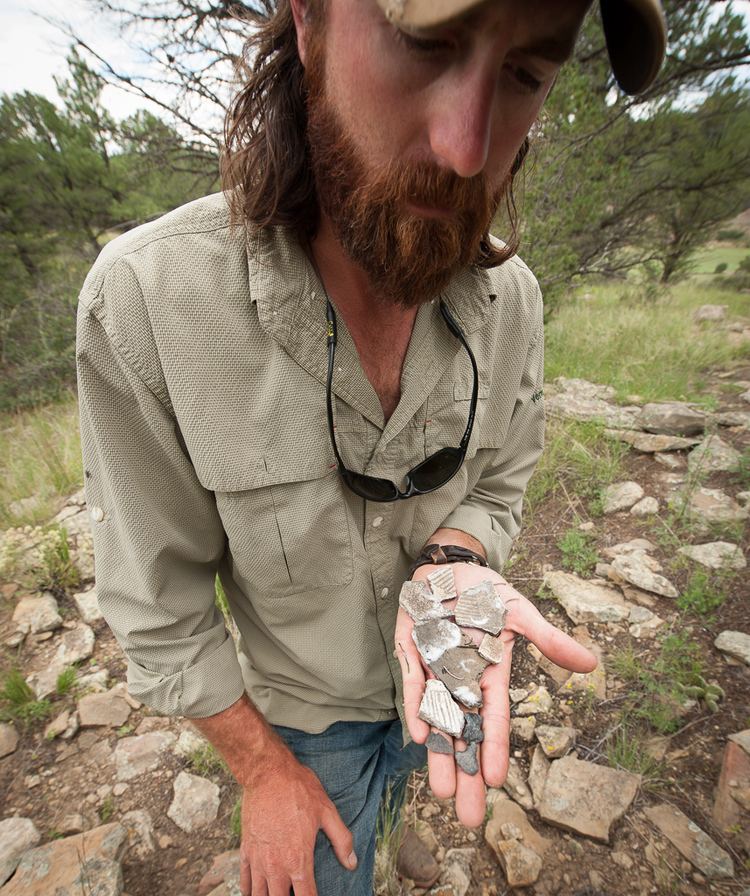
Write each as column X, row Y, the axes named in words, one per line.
column 439, row 709
column 481, row 607
column 434, row 637
column 418, row 601
column 443, row 583
column 491, row 649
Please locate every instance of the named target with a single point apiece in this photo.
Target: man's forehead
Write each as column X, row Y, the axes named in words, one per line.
column 635, row 30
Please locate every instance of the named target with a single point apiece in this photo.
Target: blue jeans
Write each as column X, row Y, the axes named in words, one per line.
column 356, row 763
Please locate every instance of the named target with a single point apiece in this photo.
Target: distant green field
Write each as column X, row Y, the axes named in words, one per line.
column 707, row 259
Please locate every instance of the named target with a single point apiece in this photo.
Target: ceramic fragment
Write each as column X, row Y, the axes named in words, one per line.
column 460, row 669
column 467, row 759
column 491, row 648
column 418, row 601
column 434, row 637
column 442, row 582
column 438, row 744
column 481, row 607
column 473, row 733
column 440, row 710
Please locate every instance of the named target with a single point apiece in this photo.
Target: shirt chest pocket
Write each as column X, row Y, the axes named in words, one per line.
column 448, row 413
column 286, row 521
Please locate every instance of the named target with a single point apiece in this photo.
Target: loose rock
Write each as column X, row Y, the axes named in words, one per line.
column 538, row 771
column 33, row 615
column 65, row 867
column 76, row 644
column 697, row 847
column 586, row 798
column 620, row 496
column 706, row 506
column 716, row 555
column 671, row 418
column 88, row 606
column 141, row 753
column 195, row 803
column 515, row 786
column 140, row 832
column 16, row 836
column 734, row 644
column 645, row 507
column 585, row 601
column 713, row 455
column 634, row 568
column 649, row 443
column 8, row 739
column 538, row 703
column 710, row 313
column 523, row 727
column 510, row 819
column 108, row 709
column 555, row 741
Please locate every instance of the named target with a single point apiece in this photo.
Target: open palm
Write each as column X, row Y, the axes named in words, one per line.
column 446, row 779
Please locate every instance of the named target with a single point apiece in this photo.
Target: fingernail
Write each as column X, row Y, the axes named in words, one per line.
column 352, row 861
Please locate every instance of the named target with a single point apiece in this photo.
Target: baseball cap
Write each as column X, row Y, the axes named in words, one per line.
column 635, row 31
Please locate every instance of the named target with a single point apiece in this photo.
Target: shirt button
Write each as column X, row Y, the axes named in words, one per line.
column 377, row 522
column 97, row 514
column 384, row 592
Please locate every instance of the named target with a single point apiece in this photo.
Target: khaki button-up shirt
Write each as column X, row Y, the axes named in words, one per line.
column 202, row 363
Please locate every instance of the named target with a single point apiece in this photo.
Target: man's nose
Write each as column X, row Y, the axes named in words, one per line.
column 461, row 123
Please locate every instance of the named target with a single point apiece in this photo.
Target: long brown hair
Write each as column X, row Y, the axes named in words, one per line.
column 265, row 163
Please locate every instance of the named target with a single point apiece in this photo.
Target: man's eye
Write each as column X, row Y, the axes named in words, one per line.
column 526, row 80
column 422, row 45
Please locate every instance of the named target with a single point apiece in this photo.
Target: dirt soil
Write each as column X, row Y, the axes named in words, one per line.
column 48, row 780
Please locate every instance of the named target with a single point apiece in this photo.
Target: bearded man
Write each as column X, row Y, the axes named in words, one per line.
column 272, row 381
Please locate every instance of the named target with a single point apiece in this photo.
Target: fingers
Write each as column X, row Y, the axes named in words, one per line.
column 471, row 800
column 555, row 644
column 246, row 880
column 441, row 769
column 340, row 836
column 495, row 748
column 412, row 674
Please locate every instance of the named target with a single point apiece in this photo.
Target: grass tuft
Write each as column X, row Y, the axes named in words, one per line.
column 578, row 552
column 205, row 761
column 66, row 681
column 19, row 701
column 701, row 595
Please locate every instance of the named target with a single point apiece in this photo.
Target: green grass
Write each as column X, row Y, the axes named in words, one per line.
column 40, row 458
column 701, row 596
column 626, row 751
column 206, row 761
column 107, row 809
column 578, row 552
column 235, row 823
column 57, row 568
column 649, row 348
column 705, row 260
column 18, row 701
column 659, row 685
column 66, row 681
column 577, row 458
column 389, row 831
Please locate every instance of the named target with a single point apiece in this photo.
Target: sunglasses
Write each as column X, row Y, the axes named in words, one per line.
column 431, row 473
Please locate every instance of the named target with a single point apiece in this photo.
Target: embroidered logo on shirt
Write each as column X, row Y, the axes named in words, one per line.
column 537, row 395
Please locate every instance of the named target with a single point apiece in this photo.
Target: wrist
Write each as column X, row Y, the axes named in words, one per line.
column 440, row 554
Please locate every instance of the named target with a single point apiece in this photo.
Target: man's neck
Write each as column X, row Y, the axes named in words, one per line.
column 381, row 331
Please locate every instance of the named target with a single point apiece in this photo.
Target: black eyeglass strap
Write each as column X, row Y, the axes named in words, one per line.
column 457, row 332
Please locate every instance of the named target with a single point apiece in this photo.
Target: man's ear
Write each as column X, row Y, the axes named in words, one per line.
column 301, row 13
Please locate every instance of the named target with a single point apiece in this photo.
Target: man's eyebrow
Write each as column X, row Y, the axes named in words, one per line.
column 554, row 48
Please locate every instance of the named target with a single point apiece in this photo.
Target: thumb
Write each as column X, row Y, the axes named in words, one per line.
column 340, row 836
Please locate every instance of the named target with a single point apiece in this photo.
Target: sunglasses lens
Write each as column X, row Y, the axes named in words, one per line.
column 437, row 469
column 369, row 487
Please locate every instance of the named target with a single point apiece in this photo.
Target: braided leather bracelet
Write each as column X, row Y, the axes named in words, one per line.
column 446, row 553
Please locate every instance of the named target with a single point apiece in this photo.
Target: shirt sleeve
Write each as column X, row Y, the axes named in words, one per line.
column 157, row 535
column 491, row 512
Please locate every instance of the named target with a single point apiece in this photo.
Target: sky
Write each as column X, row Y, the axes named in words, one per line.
column 33, row 51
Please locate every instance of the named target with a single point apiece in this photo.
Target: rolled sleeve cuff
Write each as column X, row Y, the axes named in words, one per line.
column 480, row 525
column 209, row 686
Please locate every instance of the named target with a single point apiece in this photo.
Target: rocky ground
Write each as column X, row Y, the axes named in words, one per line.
column 634, row 779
